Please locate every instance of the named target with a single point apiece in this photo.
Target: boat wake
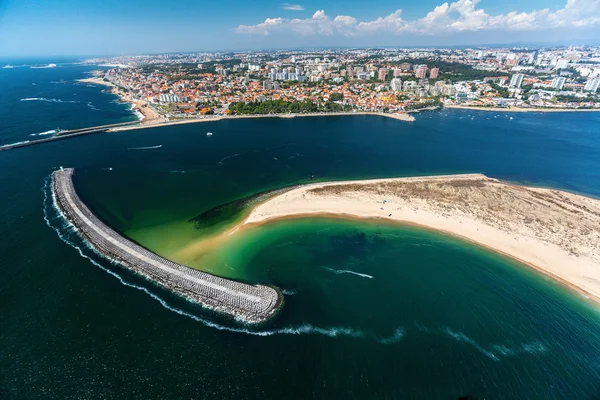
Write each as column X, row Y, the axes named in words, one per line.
column 91, row 106
column 345, row 271
column 48, row 100
column 145, row 148
column 66, row 231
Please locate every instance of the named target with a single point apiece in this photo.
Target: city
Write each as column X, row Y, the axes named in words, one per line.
column 367, row 80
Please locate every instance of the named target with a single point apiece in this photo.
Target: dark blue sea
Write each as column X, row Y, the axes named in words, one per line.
column 372, row 311
column 36, row 100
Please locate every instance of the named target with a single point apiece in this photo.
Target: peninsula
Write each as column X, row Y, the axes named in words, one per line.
column 555, row 232
column 249, row 303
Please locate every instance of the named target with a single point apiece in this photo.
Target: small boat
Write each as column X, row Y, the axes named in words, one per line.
column 209, row 134
column 7, row 66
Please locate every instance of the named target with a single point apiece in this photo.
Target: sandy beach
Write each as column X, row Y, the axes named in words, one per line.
column 555, row 232
column 149, row 116
column 156, row 122
column 522, row 109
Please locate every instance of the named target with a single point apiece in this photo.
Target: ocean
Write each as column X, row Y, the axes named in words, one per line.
column 373, row 311
column 36, row 100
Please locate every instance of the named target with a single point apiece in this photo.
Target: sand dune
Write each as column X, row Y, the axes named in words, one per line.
column 553, row 231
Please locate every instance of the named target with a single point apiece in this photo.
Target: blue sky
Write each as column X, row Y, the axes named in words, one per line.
column 113, row 27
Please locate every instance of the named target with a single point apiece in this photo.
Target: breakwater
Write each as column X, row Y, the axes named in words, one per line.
column 66, row 134
column 249, row 303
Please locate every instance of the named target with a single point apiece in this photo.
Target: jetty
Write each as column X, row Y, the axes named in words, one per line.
column 245, row 302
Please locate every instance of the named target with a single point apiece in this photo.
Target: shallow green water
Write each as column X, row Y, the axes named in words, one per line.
column 372, row 311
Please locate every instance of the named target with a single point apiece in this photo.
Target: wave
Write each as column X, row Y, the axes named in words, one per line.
column 145, row 148
column 59, row 224
column 289, row 292
column 91, row 106
column 136, row 112
column 345, row 271
column 48, row 100
column 304, row 329
column 50, row 132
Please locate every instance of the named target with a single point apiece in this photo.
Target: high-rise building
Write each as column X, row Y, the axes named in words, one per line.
column 516, row 81
column 433, row 74
column 382, row 74
column 592, row 85
column 397, row 72
column 396, row 85
column 421, row 72
column 562, row 63
column 558, row 82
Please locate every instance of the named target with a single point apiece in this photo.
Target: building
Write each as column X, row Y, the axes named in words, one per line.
column 433, row 74
column 592, row 85
column 421, row 72
column 397, row 72
column 406, row 66
column 268, row 84
column 396, row 84
column 382, row 74
column 558, row 82
column 562, row 63
column 516, row 81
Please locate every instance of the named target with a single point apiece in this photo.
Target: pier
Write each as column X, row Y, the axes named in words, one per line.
column 249, row 303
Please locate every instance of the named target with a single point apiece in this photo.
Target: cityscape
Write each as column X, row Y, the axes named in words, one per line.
column 313, row 200
column 367, row 80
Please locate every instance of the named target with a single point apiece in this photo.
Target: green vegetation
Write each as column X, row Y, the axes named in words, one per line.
column 450, row 71
column 502, row 91
column 435, row 102
column 282, row 107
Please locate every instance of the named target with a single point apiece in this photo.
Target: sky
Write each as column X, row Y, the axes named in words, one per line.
column 128, row 27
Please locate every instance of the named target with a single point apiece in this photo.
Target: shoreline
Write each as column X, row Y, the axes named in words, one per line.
column 570, row 256
column 158, row 123
column 521, row 109
column 140, row 108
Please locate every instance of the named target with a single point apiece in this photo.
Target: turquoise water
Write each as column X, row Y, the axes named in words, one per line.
column 372, row 311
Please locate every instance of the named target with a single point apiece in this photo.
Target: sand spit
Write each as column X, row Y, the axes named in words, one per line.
column 553, row 231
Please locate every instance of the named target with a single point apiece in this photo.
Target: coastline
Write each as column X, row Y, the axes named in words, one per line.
column 141, row 109
column 521, row 109
column 519, row 222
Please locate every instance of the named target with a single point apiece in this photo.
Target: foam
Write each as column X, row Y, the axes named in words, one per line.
column 48, row 100
column 345, row 271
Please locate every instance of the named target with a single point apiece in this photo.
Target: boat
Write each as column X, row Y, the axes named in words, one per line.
column 8, row 66
column 209, row 134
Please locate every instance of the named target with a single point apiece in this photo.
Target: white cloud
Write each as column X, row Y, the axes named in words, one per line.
column 459, row 16
column 292, row 7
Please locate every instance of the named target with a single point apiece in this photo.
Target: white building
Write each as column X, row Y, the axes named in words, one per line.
column 396, row 85
column 562, row 63
column 516, row 81
column 558, row 82
column 592, row 85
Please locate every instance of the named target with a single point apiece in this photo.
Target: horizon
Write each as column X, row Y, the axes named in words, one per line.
column 34, row 28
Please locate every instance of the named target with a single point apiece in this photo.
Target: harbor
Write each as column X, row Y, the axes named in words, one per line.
column 245, row 302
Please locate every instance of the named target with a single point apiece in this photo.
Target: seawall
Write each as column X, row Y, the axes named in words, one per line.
column 249, row 303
